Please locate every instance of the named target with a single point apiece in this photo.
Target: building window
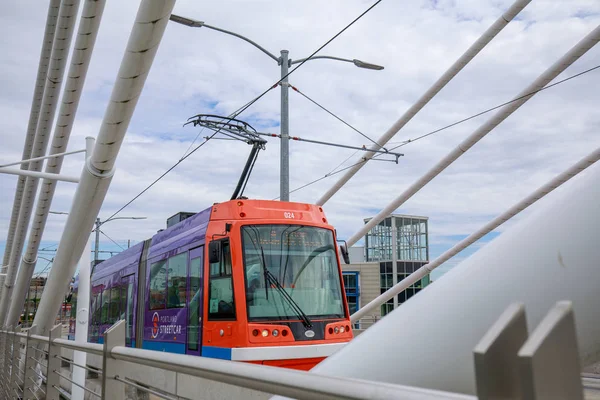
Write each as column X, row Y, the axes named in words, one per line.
column 352, row 287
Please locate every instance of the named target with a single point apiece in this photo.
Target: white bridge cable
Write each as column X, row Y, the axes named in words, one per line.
column 83, row 48
column 58, row 60
column 542, row 191
column 143, row 43
column 38, row 93
column 408, row 141
column 458, row 65
column 546, row 77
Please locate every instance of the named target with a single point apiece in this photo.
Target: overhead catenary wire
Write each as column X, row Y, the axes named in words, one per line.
column 109, row 238
column 559, row 66
column 334, row 115
column 46, row 267
column 406, row 142
column 44, row 63
column 430, row 93
column 248, row 105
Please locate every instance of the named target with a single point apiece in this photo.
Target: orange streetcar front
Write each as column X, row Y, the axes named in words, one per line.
column 273, row 285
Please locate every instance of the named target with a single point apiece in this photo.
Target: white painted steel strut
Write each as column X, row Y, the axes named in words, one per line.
column 546, row 77
column 458, row 65
column 83, row 48
column 550, row 256
column 542, row 191
column 58, row 60
column 38, row 93
column 144, row 40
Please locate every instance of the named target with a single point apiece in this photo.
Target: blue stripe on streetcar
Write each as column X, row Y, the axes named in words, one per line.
column 216, row 352
column 169, row 347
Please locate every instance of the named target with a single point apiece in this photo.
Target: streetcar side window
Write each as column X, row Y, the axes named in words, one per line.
column 105, row 303
column 158, row 280
column 113, row 310
column 221, row 302
column 177, row 281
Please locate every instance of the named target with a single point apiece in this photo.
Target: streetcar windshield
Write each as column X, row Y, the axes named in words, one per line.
column 291, row 272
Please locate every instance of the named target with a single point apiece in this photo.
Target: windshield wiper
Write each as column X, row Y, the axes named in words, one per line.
column 273, row 281
column 310, row 257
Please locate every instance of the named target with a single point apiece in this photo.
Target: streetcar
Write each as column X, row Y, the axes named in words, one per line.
column 245, row 280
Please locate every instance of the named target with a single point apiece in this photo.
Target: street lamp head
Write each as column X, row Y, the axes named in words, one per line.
column 186, row 21
column 366, row 65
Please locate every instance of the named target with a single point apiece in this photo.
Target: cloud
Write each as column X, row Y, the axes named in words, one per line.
column 203, row 71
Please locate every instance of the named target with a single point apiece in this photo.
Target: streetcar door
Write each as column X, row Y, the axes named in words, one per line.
column 127, row 309
column 195, row 301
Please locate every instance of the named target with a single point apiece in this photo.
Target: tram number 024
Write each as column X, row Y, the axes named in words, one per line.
column 289, row 215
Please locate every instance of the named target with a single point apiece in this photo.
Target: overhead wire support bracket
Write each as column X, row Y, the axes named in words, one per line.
column 345, row 146
column 234, row 129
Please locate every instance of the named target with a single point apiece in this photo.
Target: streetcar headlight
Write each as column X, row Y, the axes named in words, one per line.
column 275, row 332
column 265, row 333
column 336, row 329
column 342, row 329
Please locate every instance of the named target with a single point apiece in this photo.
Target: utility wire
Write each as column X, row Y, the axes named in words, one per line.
column 162, row 176
column 404, row 143
column 335, row 116
column 327, row 175
column 246, row 106
column 343, row 162
column 232, row 115
column 191, row 144
column 44, row 269
column 109, row 238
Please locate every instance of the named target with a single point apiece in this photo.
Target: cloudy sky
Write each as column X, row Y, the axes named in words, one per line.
column 203, row 71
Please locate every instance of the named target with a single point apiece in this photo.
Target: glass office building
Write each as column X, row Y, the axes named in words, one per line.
column 399, row 244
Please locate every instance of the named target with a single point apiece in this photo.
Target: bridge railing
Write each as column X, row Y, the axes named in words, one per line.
column 509, row 363
column 37, row 367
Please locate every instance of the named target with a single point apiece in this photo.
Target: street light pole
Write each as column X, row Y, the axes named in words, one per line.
column 285, row 63
column 97, row 244
column 99, row 223
column 284, row 178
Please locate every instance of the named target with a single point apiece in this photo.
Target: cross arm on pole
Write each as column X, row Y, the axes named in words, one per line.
column 42, row 175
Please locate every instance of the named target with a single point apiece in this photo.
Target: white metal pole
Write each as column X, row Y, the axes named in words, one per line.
column 559, row 66
column 458, row 65
column 60, row 51
column 36, row 103
column 81, row 320
column 68, row 153
column 475, row 236
column 85, row 40
column 144, row 40
column 40, row 175
column 284, row 170
column 550, row 256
